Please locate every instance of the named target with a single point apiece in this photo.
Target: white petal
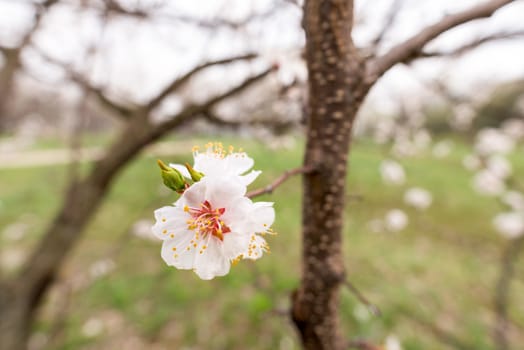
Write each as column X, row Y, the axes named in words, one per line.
column 262, row 215
column 181, row 258
column 211, row 262
column 221, row 191
column 183, row 170
column 169, row 221
column 209, row 164
column 235, row 244
column 194, row 195
column 249, row 177
column 238, row 163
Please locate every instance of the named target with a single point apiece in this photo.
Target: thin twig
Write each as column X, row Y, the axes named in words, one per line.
column 279, row 181
column 371, row 307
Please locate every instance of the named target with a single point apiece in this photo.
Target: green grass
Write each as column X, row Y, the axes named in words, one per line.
column 435, row 276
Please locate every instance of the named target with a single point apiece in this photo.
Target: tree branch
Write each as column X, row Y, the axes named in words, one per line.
column 390, row 20
column 473, row 44
column 412, row 47
column 177, row 83
column 279, row 181
column 371, row 307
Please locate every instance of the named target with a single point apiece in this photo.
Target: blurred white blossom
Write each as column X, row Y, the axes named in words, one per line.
column 442, row 149
column 487, row 183
column 393, row 343
column 418, row 197
column 510, row 224
column 142, row 229
column 392, row 172
column 471, row 162
column 499, row 166
column 491, row 141
column 396, row 220
column 101, row 268
column 514, row 199
column 514, row 128
column 92, row 327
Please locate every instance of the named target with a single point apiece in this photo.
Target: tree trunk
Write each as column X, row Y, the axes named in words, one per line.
column 336, row 90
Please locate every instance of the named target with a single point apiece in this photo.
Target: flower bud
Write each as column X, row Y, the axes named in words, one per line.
column 172, row 177
column 195, row 175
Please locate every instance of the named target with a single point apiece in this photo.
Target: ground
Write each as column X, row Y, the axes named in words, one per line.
column 433, row 281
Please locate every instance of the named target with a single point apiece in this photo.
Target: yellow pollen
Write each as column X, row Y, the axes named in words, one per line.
column 186, row 208
column 172, row 235
column 163, row 219
column 174, row 249
column 195, row 245
column 164, row 231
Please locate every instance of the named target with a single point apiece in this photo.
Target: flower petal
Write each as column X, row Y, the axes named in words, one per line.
column 169, row 221
column 175, row 251
column 249, row 177
column 262, row 216
column 209, row 164
column 211, row 262
column 238, row 163
column 221, row 191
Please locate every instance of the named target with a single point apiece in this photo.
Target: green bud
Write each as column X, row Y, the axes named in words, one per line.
column 172, row 177
column 195, row 175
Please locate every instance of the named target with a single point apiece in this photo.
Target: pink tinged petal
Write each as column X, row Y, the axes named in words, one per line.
column 238, row 163
column 175, row 252
column 182, row 169
column 211, row 261
column 249, row 177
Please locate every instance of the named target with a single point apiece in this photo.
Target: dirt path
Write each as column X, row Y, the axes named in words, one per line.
column 26, row 159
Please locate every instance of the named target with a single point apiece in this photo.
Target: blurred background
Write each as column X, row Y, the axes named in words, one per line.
column 435, row 202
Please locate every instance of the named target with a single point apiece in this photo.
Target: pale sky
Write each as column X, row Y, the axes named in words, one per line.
column 137, row 58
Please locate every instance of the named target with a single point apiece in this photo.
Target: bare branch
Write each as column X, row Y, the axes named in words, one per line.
column 412, row 47
column 196, row 109
column 388, row 24
column 461, row 50
column 279, row 181
column 118, row 109
column 177, row 83
column 371, row 307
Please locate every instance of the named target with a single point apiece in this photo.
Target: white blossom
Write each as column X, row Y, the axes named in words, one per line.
column 487, row 183
column 491, row 141
column 514, row 128
column 514, row 199
column 442, row 149
column 212, row 225
column 510, row 224
column 217, row 161
column 418, row 197
column 499, row 166
column 471, row 162
column 396, row 220
column 392, row 172
column 392, row 343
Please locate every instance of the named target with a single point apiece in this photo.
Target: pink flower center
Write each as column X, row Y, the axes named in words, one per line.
column 206, row 221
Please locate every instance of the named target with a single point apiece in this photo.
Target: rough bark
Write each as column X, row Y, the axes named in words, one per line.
column 336, row 90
